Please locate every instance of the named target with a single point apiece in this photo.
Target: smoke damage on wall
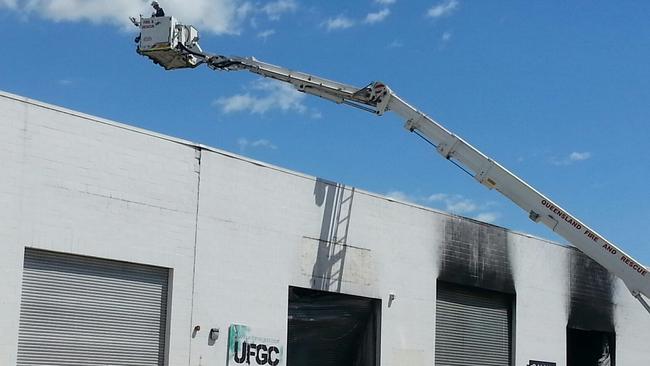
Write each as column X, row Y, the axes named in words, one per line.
column 591, row 295
column 476, row 254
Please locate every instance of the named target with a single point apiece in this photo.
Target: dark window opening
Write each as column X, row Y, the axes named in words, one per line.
column 332, row 329
column 590, row 348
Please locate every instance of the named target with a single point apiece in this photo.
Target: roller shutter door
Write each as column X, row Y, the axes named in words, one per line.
column 472, row 327
column 85, row 311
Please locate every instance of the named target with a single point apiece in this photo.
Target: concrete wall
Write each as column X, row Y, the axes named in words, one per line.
column 77, row 184
column 248, row 231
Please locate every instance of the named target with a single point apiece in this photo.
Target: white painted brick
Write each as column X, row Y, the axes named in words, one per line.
column 78, row 186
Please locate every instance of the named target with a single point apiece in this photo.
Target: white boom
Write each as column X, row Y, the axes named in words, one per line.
column 378, row 98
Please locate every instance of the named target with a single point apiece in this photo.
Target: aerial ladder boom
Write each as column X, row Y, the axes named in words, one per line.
column 378, row 98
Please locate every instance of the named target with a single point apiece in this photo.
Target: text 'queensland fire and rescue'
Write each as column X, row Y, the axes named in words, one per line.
column 593, row 237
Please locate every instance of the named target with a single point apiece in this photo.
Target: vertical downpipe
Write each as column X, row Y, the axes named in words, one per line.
column 197, row 170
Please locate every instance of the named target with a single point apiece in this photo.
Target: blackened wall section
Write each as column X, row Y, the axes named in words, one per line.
column 591, row 295
column 476, row 254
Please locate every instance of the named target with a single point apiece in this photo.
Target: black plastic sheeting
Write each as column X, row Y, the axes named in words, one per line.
column 590, row 348
column 332, row 329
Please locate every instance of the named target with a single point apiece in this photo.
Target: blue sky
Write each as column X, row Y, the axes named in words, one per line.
column 558, row 92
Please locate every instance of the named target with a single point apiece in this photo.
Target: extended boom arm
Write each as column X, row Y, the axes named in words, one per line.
column 377, row 98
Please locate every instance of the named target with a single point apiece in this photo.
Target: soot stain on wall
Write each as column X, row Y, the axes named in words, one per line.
column 591, row 305
column 476, row 254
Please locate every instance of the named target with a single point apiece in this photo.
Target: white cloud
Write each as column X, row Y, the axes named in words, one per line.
column 460, row 205
column 64, row 82
column 94, row 11
column 8, row 3
column 344, row 22
column 340, row 22
column 395, row 44
column 443, row 9
column 275, row 9
column 401, row 196
column 270, row 95
column 437, row 197
column 446, row 37
column 266, row 34
column 377, row 17
column 215, row 16
column 453, row 203
column 244, row 143
column 574, row 157
column 579, row 156
column 489, row 217
column 237, row 103
column 385, row 2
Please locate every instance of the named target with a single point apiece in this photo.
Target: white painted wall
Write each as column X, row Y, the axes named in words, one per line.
column 78, row 184
column 82, row 185
column 541, row 314
column 258, row 231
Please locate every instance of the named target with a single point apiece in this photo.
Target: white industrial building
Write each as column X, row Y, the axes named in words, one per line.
column 125, row 247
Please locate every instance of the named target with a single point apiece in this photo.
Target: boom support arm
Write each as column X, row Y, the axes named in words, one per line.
column 540, row 208
column 371, row 98
column 377, row 98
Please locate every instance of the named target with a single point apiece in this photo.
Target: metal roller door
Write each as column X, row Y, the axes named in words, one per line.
column 85, row 311
column 472, row 327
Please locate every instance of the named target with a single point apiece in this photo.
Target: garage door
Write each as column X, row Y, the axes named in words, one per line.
column 85, row 311
column 472, row 327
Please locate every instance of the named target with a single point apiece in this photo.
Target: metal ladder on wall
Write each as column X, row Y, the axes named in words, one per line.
column 339, row 239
